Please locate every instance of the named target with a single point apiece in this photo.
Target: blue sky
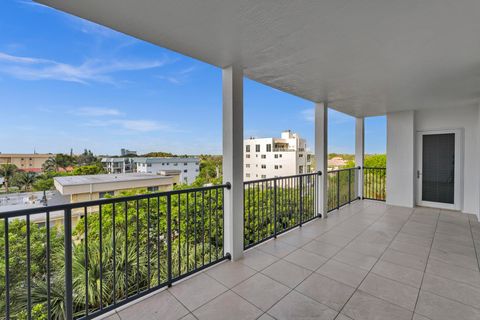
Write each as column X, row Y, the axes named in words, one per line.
column 68, row 83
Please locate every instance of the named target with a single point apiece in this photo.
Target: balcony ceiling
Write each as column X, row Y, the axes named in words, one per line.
column 366, row 57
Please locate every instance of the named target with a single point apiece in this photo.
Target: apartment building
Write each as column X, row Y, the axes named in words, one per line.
column 125, row 152
column 31, row 162
column 189, row 167
column 275, row 157
column 119, row 165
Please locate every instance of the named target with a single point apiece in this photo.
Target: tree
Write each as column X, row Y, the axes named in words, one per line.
column 376, row 161
column 86, row 170
column 87, row 158
column 59, row 161
column 7, row 171
column 24, row 180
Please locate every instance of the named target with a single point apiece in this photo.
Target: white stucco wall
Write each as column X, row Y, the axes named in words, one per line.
column 402, row 128
column 400, row 158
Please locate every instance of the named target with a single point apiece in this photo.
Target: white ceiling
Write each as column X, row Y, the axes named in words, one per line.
column 366, row 57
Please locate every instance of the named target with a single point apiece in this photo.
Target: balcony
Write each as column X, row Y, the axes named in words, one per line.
column 367, row 261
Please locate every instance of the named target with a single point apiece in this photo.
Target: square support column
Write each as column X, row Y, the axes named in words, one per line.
column 233, row 159
column 321, row 155
column 360, row 152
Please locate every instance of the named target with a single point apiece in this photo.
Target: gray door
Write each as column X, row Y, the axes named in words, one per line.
column 438, row 168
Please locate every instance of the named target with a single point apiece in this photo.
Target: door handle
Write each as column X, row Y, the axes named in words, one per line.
column 418, row 174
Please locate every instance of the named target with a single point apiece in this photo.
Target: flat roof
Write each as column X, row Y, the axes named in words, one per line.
column 26, row 155
column 106, row 178
column 159, row 159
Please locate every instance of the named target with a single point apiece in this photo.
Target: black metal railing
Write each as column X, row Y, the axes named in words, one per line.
column 342, row 187
column 80, row 260
column 273, row 206
column 374, row 183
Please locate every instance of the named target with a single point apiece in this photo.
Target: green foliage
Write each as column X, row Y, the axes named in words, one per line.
column 7, row 172
column 59, row 162
column 87, row 159
column 375, row 161
column 210, row 170
column 24, row 180
column 160, row 154
column 87, row 170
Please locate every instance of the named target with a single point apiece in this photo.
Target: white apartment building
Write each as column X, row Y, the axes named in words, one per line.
column 275, row 157
column 118, row 165
column 189, row 167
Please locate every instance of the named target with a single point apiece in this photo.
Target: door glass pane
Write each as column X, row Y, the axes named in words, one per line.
column 438, row 168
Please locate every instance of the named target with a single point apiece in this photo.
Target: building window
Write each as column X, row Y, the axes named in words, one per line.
column 279, row 155
column 269, row 147
column 276, row 167
column 247, row 165
column 300, row 155
column 152, row 189
column 300, row 169
column 106, row 194
column 247, row 175
column 264, row 166
column 185, row 170
column 149, row 165
column 264, row 156
column 257, row 148
column 248, row 156
column 276, row 156
column 175, row 164
column 247, row 148
column 185, row 164
column 264, row 176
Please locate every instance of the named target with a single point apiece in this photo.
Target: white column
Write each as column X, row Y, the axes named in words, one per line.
column 321, row 154
column 359, row 152
column 233, row 159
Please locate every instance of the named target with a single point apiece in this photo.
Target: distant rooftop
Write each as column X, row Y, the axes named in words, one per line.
column 170, row 159
column 106, row 178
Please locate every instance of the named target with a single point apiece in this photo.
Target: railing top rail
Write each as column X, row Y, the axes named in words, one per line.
column 77, row 205
column 318, row 173
column 383, row 168
column 344, row 169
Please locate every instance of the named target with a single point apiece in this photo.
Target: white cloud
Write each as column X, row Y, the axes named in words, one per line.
column 91, row 70
column 131, row 125
column 179, row 77
column 96, row 112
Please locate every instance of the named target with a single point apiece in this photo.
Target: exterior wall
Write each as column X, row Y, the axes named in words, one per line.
column 288, row 158
column 27, row 162
column 189, row 169
column 402, row 128
column 467, row 120
column 401, row 158
column 82, row 197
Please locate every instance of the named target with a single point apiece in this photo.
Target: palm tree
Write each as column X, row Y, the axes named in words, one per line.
column 25, row 180
column 7, row 171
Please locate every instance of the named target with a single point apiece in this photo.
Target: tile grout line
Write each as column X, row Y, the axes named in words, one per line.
column 426, row 265
column 474, row 245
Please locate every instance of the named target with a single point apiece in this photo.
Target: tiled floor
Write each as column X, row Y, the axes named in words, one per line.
column 366, row 261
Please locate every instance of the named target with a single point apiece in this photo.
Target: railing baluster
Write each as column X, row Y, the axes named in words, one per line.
column 67, row 226
column 85, row 219
column 137, row 240
column 100, row 235
column 148, row 243
column 169, row 239
column 275, row 208
column 7, row 270
column 49, row 301
column 29, row 271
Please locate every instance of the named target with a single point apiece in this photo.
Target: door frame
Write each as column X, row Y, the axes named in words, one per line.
column 458, row 180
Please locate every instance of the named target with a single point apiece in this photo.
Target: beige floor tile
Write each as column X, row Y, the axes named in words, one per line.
column 257, row 259
column 231, row 273
column 325, row 290
column 399, row 273
column 363, row 306
column 453, row 272
column 410, row 248
column 395, row 292
column 196, row 291
column 295, row 238
column 306, row 259
column 261, row 291
column 162, row 305
column 438, row 308
column 342, row 272
column 298, row 306
column 453, row 290
column 458, row 259
column 265, row 316
column 356, row 259
column 278, row 249
column 287, row 273
column 229, row 305
column 404, row 259
column 189, row 317
column 322, row 248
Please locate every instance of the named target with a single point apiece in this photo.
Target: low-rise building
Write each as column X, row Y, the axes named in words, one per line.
column 94, row 187
column 126, row 152
column 189, row 167
column 275, row 157
column 30, row 162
